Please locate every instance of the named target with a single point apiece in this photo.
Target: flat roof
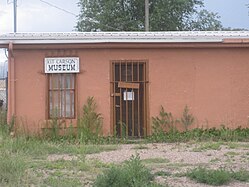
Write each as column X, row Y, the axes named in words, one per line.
column 122, row 37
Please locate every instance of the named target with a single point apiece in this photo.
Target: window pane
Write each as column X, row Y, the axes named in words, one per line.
column 69, row 104
column 72, row 94
column 54, row 104
column 63, row 103
column 50, row 104
column 69, row 81
column 54, row 81
column 62, row 81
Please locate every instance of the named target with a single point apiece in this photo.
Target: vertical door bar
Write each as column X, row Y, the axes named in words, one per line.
column 120, row 99
column 138, row 108
column 71, row 88
column 126, row 102
column 133, row 99
column 144, row 99
column 59, row 97
column 64, row 92
column 114, row 98
column 51, row 88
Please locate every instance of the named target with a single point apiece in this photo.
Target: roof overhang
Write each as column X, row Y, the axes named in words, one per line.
column 211, row 37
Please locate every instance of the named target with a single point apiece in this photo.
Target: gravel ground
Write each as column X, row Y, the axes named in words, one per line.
column 180, row 157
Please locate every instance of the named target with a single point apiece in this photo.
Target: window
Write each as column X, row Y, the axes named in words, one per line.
column 62, row 95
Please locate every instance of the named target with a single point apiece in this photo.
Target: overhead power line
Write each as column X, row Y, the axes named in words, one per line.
column 62, row 9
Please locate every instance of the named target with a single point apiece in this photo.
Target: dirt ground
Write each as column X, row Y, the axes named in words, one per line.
column 177, row 158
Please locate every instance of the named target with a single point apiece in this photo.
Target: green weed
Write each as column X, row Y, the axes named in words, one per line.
column 208, row 176
column 162, row 123
column 89, row 123
column 132, row 174
column 241, row 175
column 187, row 119
column 217, row 177
column 164, row 130
column 201, row 135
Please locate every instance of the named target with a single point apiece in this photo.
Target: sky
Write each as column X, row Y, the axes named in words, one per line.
column 42, row 16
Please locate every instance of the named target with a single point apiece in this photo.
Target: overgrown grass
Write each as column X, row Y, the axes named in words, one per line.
column 241, row 175
column 132, row 174
column 199, row 134
column 24, row 163
column 61, row 164
column 12, row 169
column 24, row 159
column 211, row 177
column 164, row 130
column 217, row 177
column 4, row 127
column 172, row 135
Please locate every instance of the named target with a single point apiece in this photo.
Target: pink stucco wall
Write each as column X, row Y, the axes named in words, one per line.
column 212, row 81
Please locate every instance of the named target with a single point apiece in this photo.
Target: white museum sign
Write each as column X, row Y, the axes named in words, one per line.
column 62, row 65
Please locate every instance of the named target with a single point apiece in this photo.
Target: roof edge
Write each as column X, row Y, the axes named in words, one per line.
column 124, row 37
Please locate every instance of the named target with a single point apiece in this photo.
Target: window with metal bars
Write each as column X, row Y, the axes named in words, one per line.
column 61, row 95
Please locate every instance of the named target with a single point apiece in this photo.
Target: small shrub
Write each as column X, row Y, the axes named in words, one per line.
column 122, row 126
column 90, row 122
column 209, row 176
column 160, row 124
column 132, row 174
column 187, row 119
column 55, row 128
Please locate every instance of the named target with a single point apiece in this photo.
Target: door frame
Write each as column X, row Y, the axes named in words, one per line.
column 147, row 125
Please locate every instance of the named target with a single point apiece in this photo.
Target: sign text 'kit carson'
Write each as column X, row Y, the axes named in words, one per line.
column 62, row 65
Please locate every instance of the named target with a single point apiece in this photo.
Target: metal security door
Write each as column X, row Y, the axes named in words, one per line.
column 128, row 87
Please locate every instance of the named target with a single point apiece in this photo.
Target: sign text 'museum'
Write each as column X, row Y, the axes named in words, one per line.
column 62, row 65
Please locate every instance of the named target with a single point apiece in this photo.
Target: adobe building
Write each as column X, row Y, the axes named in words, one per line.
column 130, row 75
